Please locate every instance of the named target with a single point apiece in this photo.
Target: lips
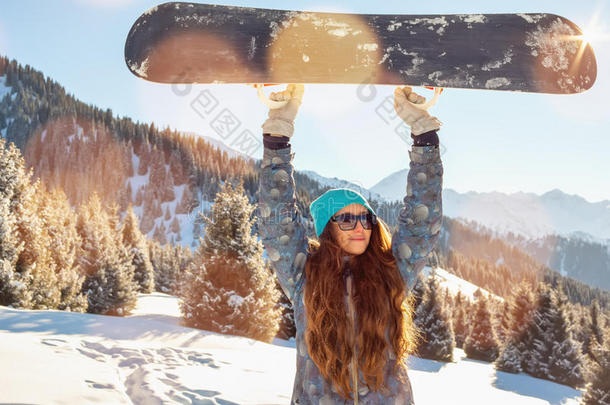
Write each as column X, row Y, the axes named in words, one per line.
column 357, row 238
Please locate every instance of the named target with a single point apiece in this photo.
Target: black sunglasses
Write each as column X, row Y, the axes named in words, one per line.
column 347, row 222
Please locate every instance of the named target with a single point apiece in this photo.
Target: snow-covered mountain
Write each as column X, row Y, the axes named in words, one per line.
column 148, row 358
column 526, row 214
column 335, row 182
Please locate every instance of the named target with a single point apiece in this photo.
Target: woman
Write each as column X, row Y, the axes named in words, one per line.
column 348, row 288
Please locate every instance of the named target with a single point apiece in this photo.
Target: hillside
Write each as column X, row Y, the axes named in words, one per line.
column 148, row 358
column 170, row 178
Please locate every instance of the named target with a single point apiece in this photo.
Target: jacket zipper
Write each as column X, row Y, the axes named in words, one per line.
column 350, row 305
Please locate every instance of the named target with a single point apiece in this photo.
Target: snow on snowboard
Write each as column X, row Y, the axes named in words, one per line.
column 202, row 43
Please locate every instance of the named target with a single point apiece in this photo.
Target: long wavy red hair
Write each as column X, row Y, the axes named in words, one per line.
column 381, row 304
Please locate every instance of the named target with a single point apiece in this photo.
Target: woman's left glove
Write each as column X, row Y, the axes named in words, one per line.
column 281, row 120
column 420, row 121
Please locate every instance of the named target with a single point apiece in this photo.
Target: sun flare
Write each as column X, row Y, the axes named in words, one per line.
column 594, row 32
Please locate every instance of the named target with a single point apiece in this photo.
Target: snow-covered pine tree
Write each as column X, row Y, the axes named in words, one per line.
column 27, row 277
column 187, row 201
column 502, row 322
column 135, row 242
column 593, row 331
column 459, row 322
column 509, row 359
column 175, row 226
column 183, row 257
column 598, row 384
column 521, row 314
column 481, row 342
column 554, row 355
column 13, row 289
column 109, row 283
column 418, row 291
column 60, row 223
column 167, row 270
column 229, row 288
column 287, row 326
column 434, row 324
column 138, row 200
column 34, row 263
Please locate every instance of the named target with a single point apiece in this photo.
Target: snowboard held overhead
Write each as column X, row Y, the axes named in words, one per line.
column 201, row 43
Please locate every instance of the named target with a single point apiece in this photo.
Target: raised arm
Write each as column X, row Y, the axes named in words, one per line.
column 420, row 219
column 279, row 220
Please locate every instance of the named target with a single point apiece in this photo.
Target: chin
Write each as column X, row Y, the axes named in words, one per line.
column 356, row 251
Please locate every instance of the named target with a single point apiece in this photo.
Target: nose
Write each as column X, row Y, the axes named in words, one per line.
column 359, row 227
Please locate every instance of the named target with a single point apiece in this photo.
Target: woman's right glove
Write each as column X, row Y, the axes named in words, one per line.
column 281, row 120
column 418, row 119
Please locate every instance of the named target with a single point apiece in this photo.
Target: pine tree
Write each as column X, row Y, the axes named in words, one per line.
column 553, row 354
column 187, row 202
column 418, row 292
column 229, row 288
column 520, row 308
column 460, row 309
column 592, row 332
column 139, row 198
column 166, row 264
column 34, row 262
column 598, row 384
column 503, row 322
column 481, row 343
column 109, row 283
column 135, row 243
column 60, row 223
column 175, row 226
column 432, row 320
column 160, row 233
column 521, row 313
column 12, row 289
column 287, row 326
column 509, row 359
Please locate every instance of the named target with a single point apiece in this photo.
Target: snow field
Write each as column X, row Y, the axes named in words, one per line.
column 55, row 357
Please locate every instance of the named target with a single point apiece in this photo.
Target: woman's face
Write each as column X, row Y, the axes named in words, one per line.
column 355, row 241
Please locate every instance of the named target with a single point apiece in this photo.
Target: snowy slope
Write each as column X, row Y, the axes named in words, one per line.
column 527, row 214
column 149, row 358
column 454, row 284
column 186, row 221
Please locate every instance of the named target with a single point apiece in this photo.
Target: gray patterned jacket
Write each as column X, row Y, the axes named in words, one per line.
column 283, row 235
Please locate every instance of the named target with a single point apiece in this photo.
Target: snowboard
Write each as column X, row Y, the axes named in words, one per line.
column 202, row 43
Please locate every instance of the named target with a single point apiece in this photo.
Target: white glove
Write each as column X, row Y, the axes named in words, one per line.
column 280, row 121
column 417, row 118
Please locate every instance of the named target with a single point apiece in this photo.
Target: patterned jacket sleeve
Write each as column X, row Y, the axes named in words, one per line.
column 420, row 219
column 279, row 219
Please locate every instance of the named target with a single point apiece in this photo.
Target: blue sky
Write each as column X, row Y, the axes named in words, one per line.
column 498, row 141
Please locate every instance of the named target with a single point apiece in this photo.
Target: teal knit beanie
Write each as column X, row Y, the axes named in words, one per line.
column 325, row 206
